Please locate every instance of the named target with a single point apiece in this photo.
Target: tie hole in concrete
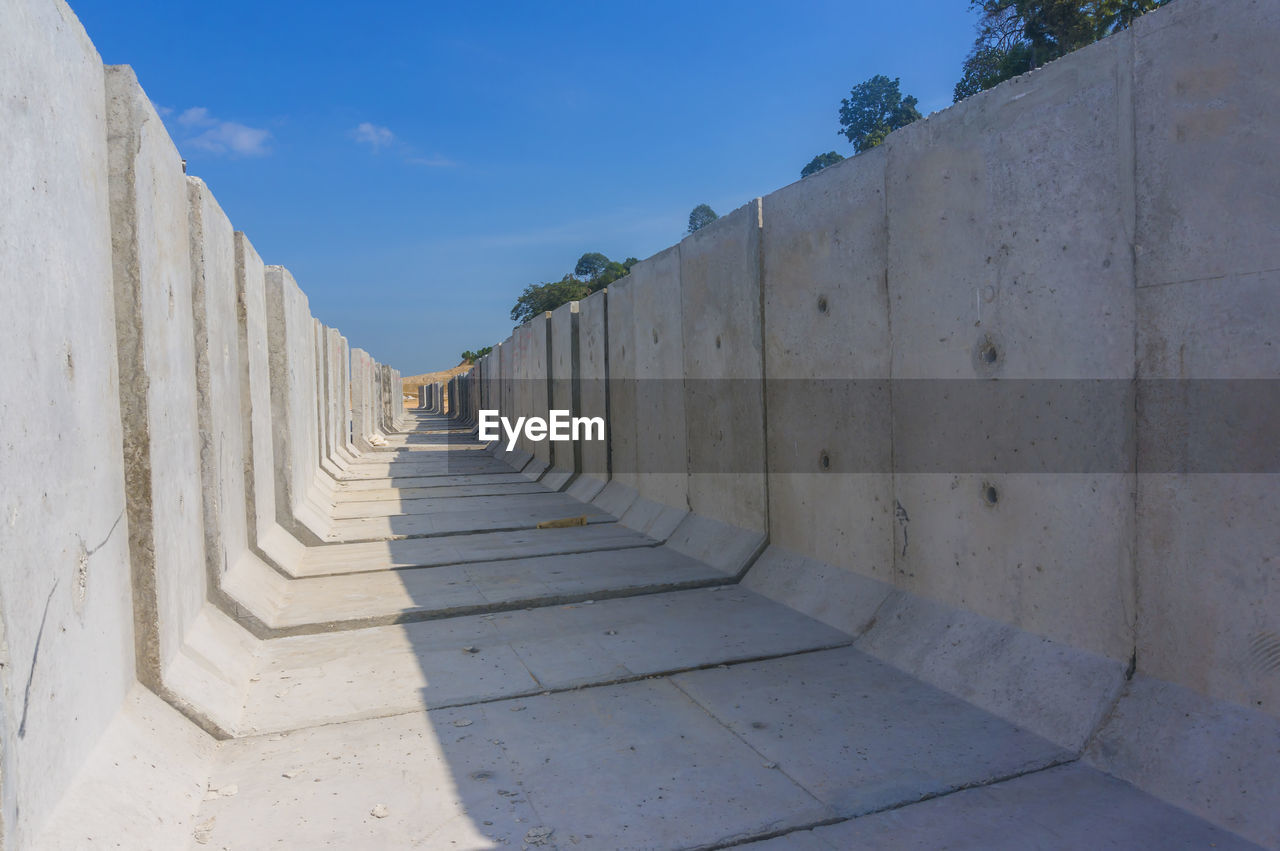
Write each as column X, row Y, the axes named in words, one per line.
column 990, row 495
column 988, row 355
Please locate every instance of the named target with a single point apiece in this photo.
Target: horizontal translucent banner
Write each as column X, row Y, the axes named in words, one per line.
column 906, row 426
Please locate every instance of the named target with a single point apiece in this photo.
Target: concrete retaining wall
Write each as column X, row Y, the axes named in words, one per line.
column 593, row 387
column 163, row 375
column 1207, row 297
column 267, row 537
column 152, row 270
column 66, row 610
column 1104, row 219
column 722, row 341
column 564, row 389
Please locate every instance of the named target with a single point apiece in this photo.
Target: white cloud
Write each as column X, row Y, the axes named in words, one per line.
column 215, row 136
column 378, row 138
column 228, row 137
column 196, row 116
column 373, row 135
column 431, row 162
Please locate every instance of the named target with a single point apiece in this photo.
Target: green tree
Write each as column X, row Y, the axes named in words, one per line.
column 594, row 271
column 590, row 265
column 471, row 357
column 538, row 298
column 701, row 216
column 612, row 271
column 873, row 110
column 988, row 66
column 820, row 162
column 1017, row 36
column 1112, row 16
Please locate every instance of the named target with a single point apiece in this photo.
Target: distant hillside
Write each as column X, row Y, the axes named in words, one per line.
column 411, row 383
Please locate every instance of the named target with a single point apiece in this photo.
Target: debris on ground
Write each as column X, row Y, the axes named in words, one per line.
column 227, row 791
column 204, row 831
column 564, row 522
column 539, row 835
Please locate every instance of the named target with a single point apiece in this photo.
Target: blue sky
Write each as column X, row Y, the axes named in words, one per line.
column 416, row 164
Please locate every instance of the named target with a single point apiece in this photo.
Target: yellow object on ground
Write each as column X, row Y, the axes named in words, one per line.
column 563, row 522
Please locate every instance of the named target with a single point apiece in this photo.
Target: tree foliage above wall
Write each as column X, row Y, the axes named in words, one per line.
column 1016, row 36
column 701, row 216
column 820, row 162
column 873, row 110
column 593, row 271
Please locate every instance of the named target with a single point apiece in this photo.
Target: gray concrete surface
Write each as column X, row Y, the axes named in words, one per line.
column 593, row 400
column 156, row 347
column 1054, row 556
column 654, row 333
column 829, row 448
column 1061, row 807
column 66, row 609
column 294, row 407
column 723, row 368
column 227, row 623
column 565, row 391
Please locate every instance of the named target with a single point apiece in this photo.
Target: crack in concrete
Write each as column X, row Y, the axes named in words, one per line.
column 103, row 543
column 422, row 615
column 35, row 657
column 763, row 759
column 544, row 692
column 592, row 520
column 640, row 546
column 977, row 784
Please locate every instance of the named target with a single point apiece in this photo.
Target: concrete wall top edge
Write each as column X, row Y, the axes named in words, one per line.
column 751, row 210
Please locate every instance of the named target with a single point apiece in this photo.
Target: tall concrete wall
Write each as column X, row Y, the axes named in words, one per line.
column 1207, row 296
column 155, row 329
column 723, row 349
column 294, row 406
column 913, row 263
column 267, row 537
column 158, row 376
column 218, row 380
column 1206, row 306
column 827, row 352
column 66, row 608
column 1034, row 261
column 646, row 340
column 565, row 385
column 620, row 381
column 593, row 390
column 1097, row 225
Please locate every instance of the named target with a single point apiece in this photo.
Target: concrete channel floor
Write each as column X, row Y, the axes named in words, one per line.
column 568, row 688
